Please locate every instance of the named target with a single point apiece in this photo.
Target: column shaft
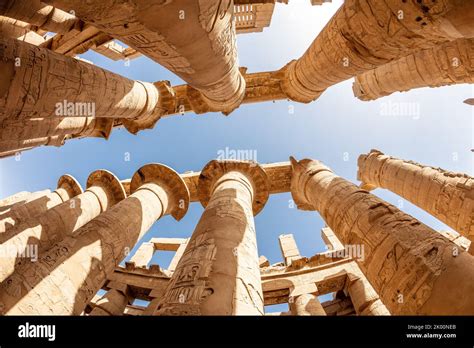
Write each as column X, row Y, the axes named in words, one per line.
column 205, row 26
column 17, row 197
column 218, row 273
column 39, row 14
column 143, row 255
column 447, row 64
column 402, row 256
column 306, row 304
column 66, row 278
column 39, row 83
column 446, row 195
column 68, row 187
column 42, row 232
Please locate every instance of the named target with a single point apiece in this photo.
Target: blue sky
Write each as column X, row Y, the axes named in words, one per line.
column 335, row 129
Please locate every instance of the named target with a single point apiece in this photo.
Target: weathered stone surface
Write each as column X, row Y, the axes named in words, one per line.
column 44, row 231
column 184, row 27
column 66, row 277
column 218, row 273
column 446, row 195
column 39, row 14
column 411, row 266
column 447, row 64
column 36, row 204
column 365, row 34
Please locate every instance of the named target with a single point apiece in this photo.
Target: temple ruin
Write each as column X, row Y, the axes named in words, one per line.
column 380, row 260
column 49, row 94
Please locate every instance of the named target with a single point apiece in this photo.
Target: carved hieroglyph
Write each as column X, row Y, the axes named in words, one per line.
column 171, row 33
column 411, row 266
column 218, row 273
column 446, row 195
column 365, row 34
column 66, row 277
column 447, row 64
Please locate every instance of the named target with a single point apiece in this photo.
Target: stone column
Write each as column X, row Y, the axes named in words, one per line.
column 446, row 195
column 219, row 272
column 179, row 254
column 17, row 197
column 39, row 14
column 365, row 299
column 306, row 304
column 402, row 256
column 68, row 187
column 143, row 255
column 16, row 29
column 42, row 232
column 67, row 277
column 150, row 27
column 39, row 83
column 444, row 65
column 365, row 34
column 113, row 302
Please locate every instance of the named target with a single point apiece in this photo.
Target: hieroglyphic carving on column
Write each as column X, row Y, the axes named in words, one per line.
column 446, row 195
column 67, row 276
column 443, row 65
column 364, row 34
column 213, row 72
column 410, row 265
column 219, row 271
column 365, row 299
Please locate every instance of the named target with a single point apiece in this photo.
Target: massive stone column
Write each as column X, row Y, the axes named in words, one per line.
column 39, row 14
column 447, row 64
column 15, row 133
column 306, row 304
column 365, row 299
column 41, row 232
column 446, row 195
column 288, row 248
column 68, row 187
column 113, row 302
column 17, row 197
column 411, row 266
column 16, row 29
column 143, row 255
column 218, row 273
column 171, row 33
column 66, row 278
column 365, row 34
column 37, row 83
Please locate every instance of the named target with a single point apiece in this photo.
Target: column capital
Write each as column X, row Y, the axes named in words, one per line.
column 293, row 87
column 108, row 181
column 151, row 113
column 169, row 180
column 70, row 184
column 252, row 170
column 303, row 170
